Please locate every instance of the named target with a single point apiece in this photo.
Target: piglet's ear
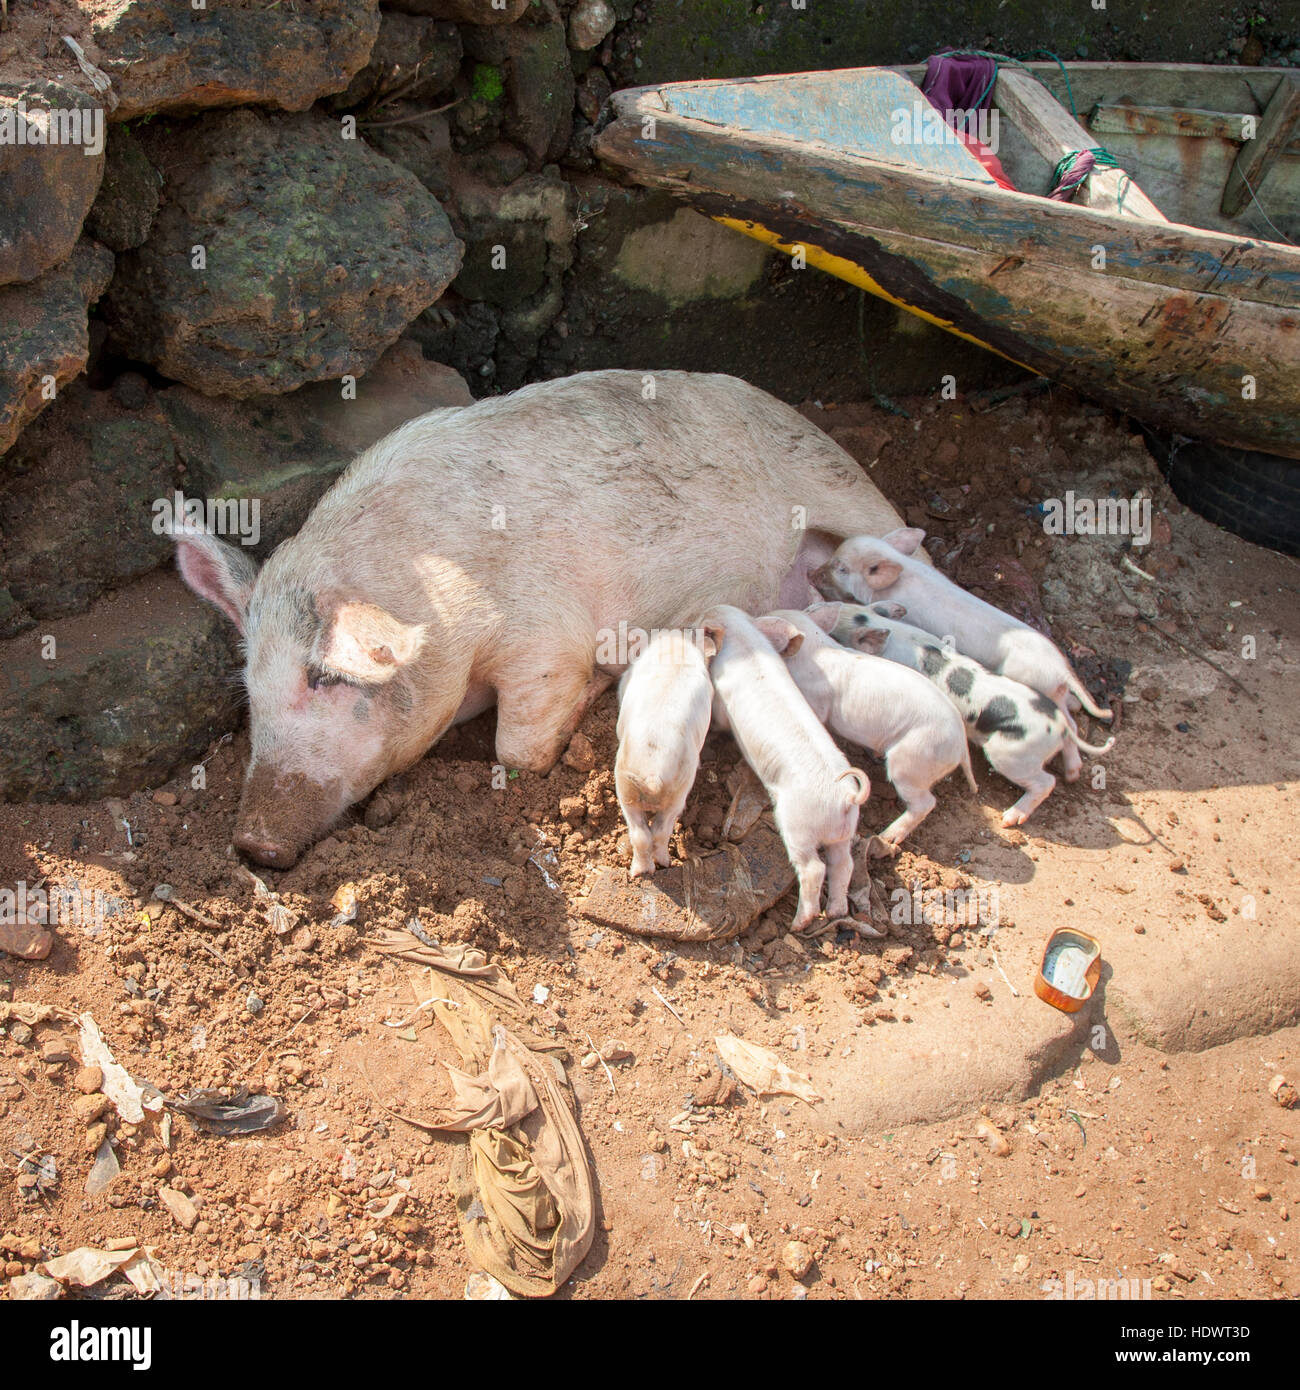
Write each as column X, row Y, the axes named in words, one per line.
column 870, row 639
column 786, row 639
column 710, row 639
column 222, row 574
column 367, row 643
column 905, row 540
column 889, row 610
column 825, row 615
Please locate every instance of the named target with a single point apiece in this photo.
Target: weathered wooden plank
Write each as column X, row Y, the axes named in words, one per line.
column 1258, row 156
column 840, row 187
column 1123, row 119
column 1175, row 360
column 1055, row 133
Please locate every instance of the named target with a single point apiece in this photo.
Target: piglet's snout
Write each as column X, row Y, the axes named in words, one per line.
column 261, row 849
column 281, row 813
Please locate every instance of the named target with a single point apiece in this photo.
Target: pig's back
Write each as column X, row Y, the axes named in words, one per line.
column 651, row 509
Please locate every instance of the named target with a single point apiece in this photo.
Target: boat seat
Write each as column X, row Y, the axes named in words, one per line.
column 1054, row 133
column 1257, row 156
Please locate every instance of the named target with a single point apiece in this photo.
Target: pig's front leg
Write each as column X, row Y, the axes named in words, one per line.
column 540, row 704
column 839, row 870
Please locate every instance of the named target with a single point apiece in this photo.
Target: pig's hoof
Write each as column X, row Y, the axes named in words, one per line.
column 640, row 871
column 878, row 848
column 1073, row 774
column 1013, row 818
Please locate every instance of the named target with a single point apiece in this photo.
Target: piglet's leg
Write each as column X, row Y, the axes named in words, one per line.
column 839, row 869
column 1037, row 790
column 919, row 800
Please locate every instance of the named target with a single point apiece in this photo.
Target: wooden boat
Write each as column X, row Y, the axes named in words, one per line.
column 1167, row 288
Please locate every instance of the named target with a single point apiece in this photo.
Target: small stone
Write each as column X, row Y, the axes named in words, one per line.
column 1262, row 1193
column 162, row 1167
column 89, row 1108
column 982, row 991
column 254, row 1004
column 95, row 1136
column 21, row 1033
column 88, row 1080
column 589, row 23
column 797, row 1259
column 55, row 1050
column 1283, row 1092
column 251, row 1251
column 1020, row 1264
column 580, row 756
column 163, row 798
column 121, row 1243
column 183, row 1211
column 34, row 1288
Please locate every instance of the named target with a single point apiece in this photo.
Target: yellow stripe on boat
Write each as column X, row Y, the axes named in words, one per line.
column 844, row 269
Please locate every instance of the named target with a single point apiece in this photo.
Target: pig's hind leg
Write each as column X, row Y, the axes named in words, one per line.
column 540, row 704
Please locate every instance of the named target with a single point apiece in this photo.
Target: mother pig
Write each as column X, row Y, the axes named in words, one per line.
column 488, row 552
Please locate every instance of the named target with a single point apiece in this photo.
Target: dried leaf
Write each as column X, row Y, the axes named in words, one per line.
column 762, row 1070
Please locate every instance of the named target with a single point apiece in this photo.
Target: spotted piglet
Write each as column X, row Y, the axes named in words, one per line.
column 1019, row 729
column 665, row 705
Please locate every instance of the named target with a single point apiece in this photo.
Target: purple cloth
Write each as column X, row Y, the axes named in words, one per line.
column 1084, row 164
column 958, row 82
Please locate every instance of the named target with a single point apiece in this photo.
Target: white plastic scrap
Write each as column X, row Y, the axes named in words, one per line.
column 130, row 1099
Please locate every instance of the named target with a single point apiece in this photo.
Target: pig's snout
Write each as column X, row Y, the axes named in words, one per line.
column 825, row 584
column 263, row 850
column 280, row 814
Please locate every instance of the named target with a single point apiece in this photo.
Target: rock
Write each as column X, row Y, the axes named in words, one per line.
column 464, row 11
column 88, row 1080
column 183, row 1211
column 988, row 1134
column 580, row 755
column 593, row 92
column 89, row 1108
column 128, row 198
column 141, row 681
column 173, row 57
column 538, row 83
column 424, row 147
column 419, row 54
column 28, row 941
column 589, row 22
column 43, row 337
column 55, row 1050
column 797, row 1259
column 34, row 1288
column 46, row 187
column 22, row 1035
column 95, row 1136
column 1283, row 1092
column 297, row 287
column 77, row 506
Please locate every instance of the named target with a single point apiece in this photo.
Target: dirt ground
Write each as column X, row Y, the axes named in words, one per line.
column 1124, row 1161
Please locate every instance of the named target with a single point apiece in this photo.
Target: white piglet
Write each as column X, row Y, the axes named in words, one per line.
column 815, row 793
column 1019, row 729
column 867, row 568
column 665, row 706
column 879, row 705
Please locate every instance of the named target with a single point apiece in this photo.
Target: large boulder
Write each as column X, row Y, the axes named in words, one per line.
column 85, row 490
column 415, row 56
column 165, row 55
column 43, row 337
column 110, row 700
column 51, row 164
column 538, row 82
column 75, row 502
column 316, row 252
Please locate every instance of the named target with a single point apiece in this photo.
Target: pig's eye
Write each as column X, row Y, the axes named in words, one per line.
column 316, row 678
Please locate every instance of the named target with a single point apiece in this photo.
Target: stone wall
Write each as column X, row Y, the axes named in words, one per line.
column 240, row 242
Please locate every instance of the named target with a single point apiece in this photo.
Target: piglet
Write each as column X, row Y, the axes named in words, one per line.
column 894, row 712
column 665, row 705
column 815, row 793
column 1019, row 729
column 867, row 568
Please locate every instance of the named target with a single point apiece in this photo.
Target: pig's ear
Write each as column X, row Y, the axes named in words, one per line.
column 367, row 643
column 825, row 615
column 223, row 574
column 710, row 639
column 883, row 573
column 905, row 540
column 889, row 610
column 870, row 639
column 786, row 639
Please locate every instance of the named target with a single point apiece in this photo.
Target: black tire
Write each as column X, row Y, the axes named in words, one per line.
column 1253, row 495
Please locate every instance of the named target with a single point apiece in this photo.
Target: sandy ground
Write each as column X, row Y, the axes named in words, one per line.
column 1141, row 1141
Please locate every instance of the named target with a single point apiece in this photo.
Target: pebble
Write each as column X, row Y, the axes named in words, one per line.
column 797, row 1259
column 55, row 1050
column 88, row 1079
column 21, row 1033
column 757, row 1285
column 183, row 1211
column 254, row 1004
column 95, row 1136
column 89, row 1108
column 164, row 798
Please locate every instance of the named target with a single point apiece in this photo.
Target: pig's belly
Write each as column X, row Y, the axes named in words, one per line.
column 477, row 698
